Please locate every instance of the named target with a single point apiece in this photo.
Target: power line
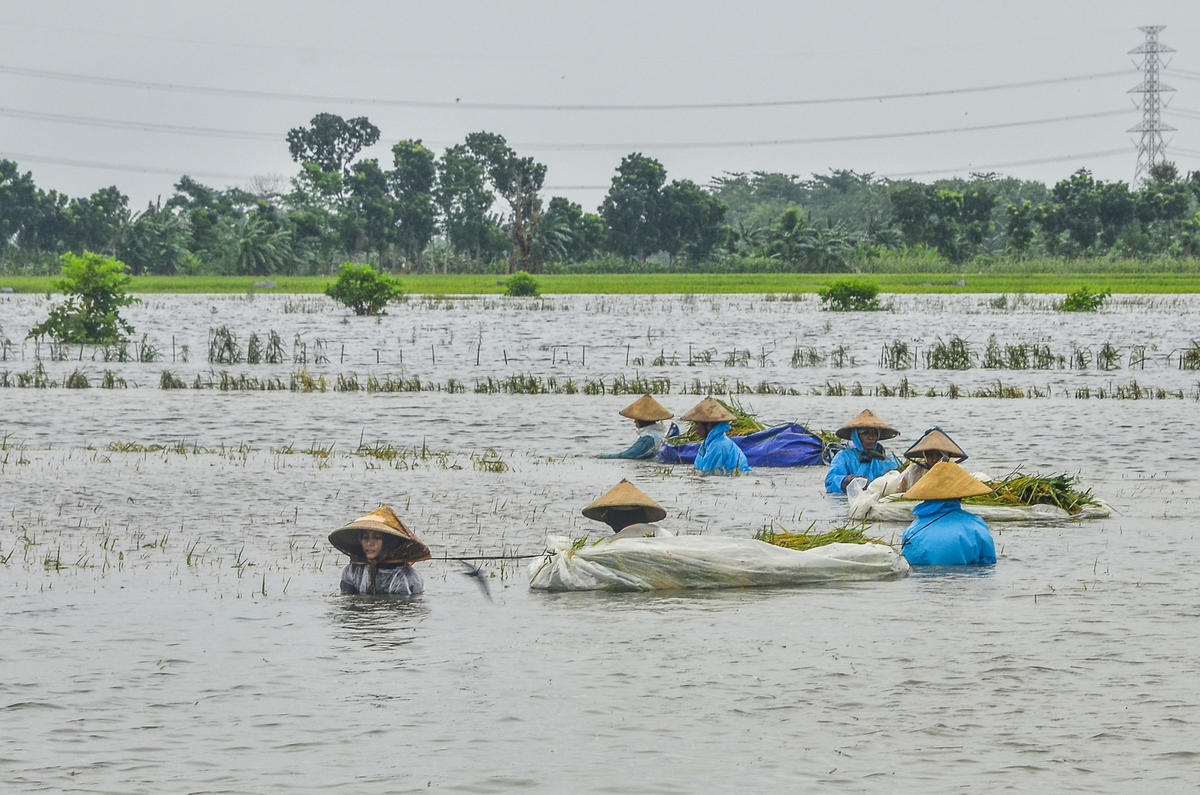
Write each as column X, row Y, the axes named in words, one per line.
column 45, row 74
column 94, row 121
column 1011, row 163
column 62, row 161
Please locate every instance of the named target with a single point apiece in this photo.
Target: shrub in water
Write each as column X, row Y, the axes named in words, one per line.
column 1084, row 300
column 521, row 283
column 95, row 288
column 362, row 288
column 850, row 296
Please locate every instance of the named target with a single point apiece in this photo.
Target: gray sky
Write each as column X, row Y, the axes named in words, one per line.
column 136, row 93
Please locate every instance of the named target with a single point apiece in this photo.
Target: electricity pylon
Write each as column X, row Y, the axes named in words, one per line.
column 1151, row 149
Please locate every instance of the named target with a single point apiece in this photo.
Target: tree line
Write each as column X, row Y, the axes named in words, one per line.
column 482, row 207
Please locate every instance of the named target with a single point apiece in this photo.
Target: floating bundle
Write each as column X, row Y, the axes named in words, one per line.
column 809, row 540
column 1060, row 491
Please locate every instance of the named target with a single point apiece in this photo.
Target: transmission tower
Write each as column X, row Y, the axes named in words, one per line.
column 1151, row 149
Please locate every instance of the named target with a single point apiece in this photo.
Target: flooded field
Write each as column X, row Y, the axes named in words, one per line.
column 170, row 612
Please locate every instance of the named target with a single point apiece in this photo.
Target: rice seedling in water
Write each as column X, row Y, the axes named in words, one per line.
column 112, row 380
column 168, row 380
column 147, row 352
column 1081, row 358
column 840, row 357
column 223, row 347
column 76, row 380
column 490, row 461
column 807, row 357
column 36, row 378
column 897, row 356
column 952, row 355
column 1109, row 358
column 1189, row 359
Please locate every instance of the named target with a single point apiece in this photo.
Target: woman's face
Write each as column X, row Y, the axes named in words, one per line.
column 869, row 437
column 934, row 456
column 372, row 544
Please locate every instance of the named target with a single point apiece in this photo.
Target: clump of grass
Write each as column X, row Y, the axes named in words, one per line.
column 952, row 355
column 76, row 380
column 1189, row 359
column 897, row 356
column 168, row 380
column 490, row 461
column 112, row 380
column 223, row 347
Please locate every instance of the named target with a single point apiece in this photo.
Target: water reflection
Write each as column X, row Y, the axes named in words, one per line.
column 386, row 622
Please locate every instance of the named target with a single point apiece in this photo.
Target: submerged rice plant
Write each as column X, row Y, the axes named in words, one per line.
column 897, row 356
column 952, row 355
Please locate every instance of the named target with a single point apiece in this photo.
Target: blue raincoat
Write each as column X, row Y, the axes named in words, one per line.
column 943, row 534
column 718, row 454
column 849, row 462
column 650, row 438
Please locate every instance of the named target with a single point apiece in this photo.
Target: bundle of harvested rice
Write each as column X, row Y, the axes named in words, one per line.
column 810, row 540
column 743, row 423
column 1019, row 489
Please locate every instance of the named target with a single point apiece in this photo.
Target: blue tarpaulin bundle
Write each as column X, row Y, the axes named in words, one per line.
column 790, row 445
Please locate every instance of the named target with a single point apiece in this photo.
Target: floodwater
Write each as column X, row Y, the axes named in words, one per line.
column 171, row 622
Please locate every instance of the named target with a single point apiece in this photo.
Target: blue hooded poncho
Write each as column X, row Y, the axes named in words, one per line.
column 943, row 534
column 849, row 462
column 718, row 454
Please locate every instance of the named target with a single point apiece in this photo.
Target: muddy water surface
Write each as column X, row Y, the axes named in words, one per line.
column 171, row 621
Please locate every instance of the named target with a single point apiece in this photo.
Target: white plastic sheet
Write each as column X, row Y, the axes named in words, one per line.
column 646, row 564
column 877, row 501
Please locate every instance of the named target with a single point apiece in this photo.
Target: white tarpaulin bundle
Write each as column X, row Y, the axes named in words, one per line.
column 877, row 502
column 646, row 564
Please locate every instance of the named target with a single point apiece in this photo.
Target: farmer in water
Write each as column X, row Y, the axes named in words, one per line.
column 381, row 550
column 717, row 453
column 866, row 458
column 647, row 414
column 931, row 448
column 943, row 534
column 628, row 511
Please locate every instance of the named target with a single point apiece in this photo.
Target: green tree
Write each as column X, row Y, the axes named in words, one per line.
column 413, row 181
column 97, row 221
column 464, row 199
column 18, row 202
column 95, row 288
column 1020, row 228
column 517, row 180
column 155, row 241
column 369, row 221
column 363, row 289
column 850, row 296
column 631, row 208
column 259, row 248
column 330, row 143
column 691, row 220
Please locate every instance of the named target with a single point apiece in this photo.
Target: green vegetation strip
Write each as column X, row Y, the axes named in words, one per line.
column 1133, row 277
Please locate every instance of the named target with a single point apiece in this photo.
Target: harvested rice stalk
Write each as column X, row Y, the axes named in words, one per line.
column 809, row 540
column 743, row 423
column 1020, row 489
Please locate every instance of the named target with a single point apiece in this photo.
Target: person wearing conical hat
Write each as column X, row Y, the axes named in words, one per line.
column 866, row 457
column 628, row 510
column 647, row 415
column 382, row 550
column 717, row 454
column 934, row 446
column 943, row 534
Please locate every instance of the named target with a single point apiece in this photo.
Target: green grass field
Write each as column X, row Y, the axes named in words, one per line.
column 1147, row 281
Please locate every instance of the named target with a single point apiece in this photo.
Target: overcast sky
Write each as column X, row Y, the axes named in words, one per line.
column 136, row 94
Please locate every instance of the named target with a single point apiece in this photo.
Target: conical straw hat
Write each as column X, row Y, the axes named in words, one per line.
column 400, row 545
column 935, row 439
column 625, row 496
column 646, row 408
column 947, row 481
column 709, row 410
column 867, row 419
